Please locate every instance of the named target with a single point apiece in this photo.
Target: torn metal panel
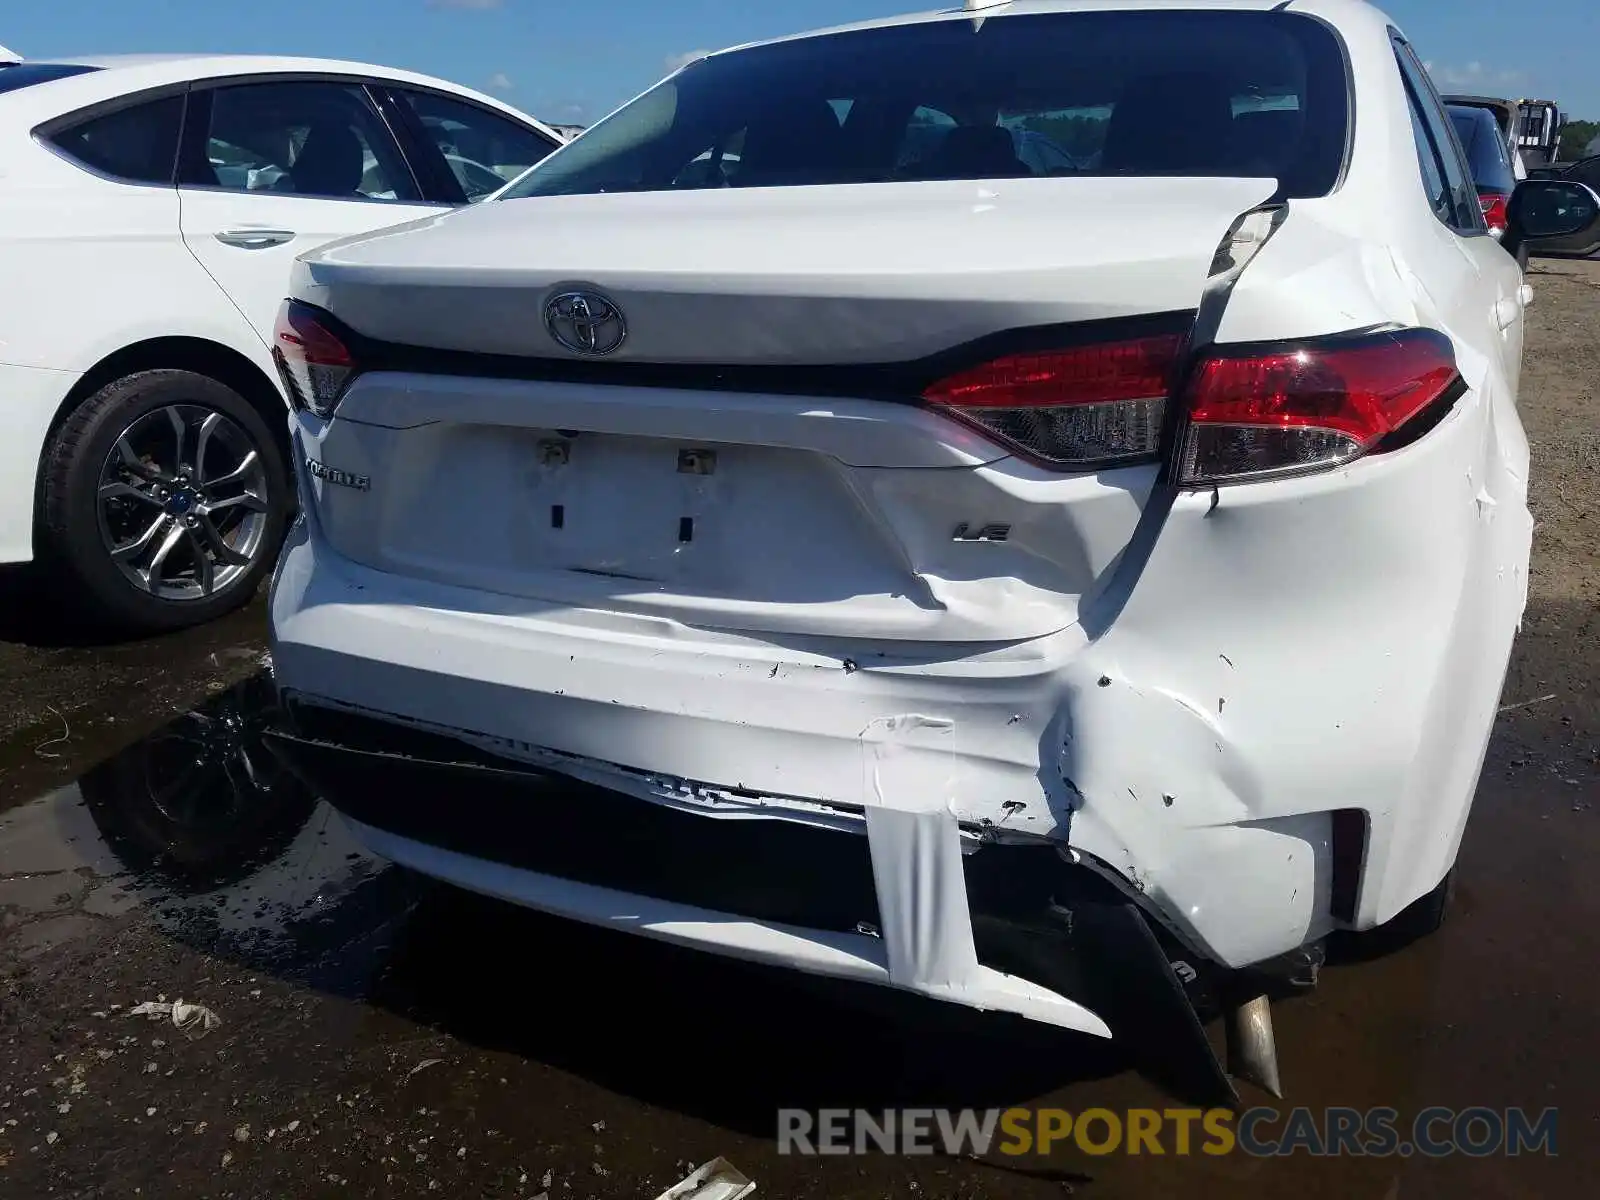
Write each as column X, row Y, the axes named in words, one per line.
column 916, row 858
column 847, row 956
column 893, row 898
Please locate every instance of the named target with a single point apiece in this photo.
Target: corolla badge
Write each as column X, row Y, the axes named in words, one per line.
column 361, row 483
column 585, row 323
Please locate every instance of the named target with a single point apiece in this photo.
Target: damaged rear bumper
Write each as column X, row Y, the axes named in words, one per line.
column 908, row 899
column 1268, row 727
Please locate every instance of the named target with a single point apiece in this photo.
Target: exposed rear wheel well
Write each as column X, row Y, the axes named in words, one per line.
column 185, row 354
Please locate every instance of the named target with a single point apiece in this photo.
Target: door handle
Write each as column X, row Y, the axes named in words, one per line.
column 255, row 239
column 1507, row 311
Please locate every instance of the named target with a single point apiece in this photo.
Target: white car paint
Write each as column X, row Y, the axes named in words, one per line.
column 684, row 271
column 1177, row 688
column 111, row 265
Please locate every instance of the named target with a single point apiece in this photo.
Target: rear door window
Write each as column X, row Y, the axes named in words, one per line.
column 1433, row 182
column 1451, row 190
column 1140, row 93
column 298, row 138
column 1487, row 156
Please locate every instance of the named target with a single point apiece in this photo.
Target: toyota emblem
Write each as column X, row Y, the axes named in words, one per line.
column 585, row 323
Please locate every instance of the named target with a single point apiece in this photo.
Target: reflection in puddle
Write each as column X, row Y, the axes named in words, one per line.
column 201, row 804
column 201, row 824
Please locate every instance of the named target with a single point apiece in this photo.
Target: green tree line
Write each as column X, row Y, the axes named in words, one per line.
column 1576, row 138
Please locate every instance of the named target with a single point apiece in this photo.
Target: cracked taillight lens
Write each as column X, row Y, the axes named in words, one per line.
column 315, row 365
column 1080, row 407
column 1260, row 412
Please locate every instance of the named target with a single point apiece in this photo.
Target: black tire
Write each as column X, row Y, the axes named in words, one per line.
column 72, row 545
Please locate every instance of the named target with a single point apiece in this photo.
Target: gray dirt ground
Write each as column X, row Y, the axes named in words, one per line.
column 383, row 1038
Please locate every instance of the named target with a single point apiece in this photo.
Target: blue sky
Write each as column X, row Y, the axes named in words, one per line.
column 567, row 61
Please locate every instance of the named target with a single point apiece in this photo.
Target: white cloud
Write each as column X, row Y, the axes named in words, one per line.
column 500, row 82
column 674, row 61
column 1473, row 75
column 477, row 5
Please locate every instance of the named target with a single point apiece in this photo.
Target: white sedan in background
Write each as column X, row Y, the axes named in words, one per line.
column 150, row 208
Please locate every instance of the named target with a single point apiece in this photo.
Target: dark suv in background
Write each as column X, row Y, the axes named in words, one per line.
column 1490, row 163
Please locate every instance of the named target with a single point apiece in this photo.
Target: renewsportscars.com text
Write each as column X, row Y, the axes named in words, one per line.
column 1258, row 1132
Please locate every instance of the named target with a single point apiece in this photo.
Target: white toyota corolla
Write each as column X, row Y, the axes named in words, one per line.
column 787, row 524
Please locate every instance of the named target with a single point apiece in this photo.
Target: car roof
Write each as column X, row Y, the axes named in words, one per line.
column 1479, row 101
column 184, row 64
column 114, row 75
column 1008, row 8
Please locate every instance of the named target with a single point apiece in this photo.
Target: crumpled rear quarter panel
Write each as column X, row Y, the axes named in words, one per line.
column 1295, row 648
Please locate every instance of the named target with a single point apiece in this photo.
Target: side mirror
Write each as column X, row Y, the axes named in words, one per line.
column 1559, row 215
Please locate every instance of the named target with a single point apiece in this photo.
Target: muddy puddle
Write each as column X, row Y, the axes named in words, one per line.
column 199, row 829
column 384, row 1036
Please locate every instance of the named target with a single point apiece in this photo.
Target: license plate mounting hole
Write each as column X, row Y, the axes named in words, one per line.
column 697, row 462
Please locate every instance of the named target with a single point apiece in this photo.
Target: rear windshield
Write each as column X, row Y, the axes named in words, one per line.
column 1488, row 157
column 21, row 75
column 1208, row 93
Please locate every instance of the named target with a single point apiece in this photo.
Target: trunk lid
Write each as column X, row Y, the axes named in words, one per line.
column 811, row 275
column 763, row 510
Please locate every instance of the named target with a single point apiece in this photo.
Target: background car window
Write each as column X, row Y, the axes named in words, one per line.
column 1044, row 138
column 300, row 139
column 1163, row 92
column 138, row 144
column 21, row 75
column 1451, row 191
column 1466, row 131
column 484, row 150
column 1487, row 157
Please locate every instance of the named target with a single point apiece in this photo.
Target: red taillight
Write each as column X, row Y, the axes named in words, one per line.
column 1494, row 210
column 316, row 366
column 1262, row 412
column 1083, row 406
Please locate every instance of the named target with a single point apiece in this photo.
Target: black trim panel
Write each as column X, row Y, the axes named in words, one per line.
column 895, row 381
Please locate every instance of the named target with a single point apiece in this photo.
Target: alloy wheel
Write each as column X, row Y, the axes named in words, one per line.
column 183, row 502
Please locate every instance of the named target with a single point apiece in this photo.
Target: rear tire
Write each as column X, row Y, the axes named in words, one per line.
column 164, row 500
